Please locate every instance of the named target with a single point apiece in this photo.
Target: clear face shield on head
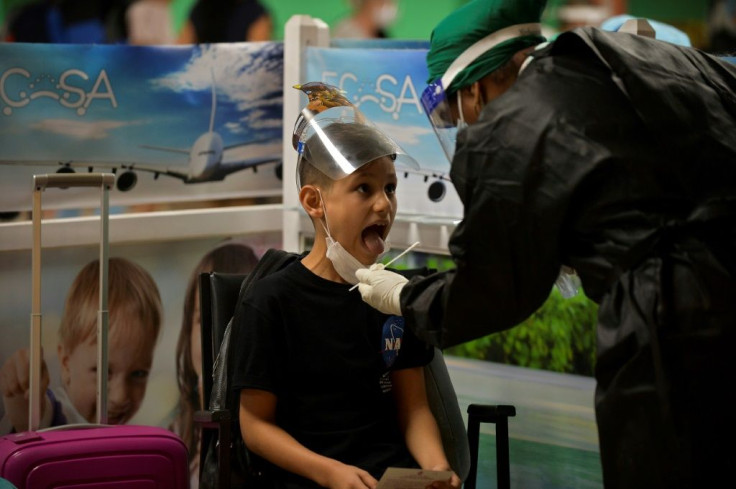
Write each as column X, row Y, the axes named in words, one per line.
column 438, row 103
column 339, row 140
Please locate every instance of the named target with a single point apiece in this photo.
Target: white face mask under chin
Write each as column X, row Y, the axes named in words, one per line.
column 345, row 264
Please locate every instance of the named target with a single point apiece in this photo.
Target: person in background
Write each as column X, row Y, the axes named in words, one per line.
column 59, row 21
column 135, row 319
column 231, row 256
column 573, row 14
column 148, row 22
column 213, row 21
column 721, row 27
column 662, row 31
column 614, row 154
column 369, row 19
column 135, row 22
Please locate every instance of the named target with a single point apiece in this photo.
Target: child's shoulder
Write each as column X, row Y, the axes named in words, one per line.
column 273, row 284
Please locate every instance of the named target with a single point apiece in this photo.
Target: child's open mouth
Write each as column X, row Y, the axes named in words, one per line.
column 373, row 238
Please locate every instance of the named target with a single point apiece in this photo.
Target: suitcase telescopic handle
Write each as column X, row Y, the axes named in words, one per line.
column 104, row 181
column 65, row 180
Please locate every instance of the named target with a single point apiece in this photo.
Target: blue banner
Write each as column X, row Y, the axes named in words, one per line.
column 197, row 117
column 386, row 82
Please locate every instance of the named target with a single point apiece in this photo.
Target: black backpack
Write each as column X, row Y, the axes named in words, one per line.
column 244, row 466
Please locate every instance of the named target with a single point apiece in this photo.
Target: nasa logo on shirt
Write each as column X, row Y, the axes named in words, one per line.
column 393, row 332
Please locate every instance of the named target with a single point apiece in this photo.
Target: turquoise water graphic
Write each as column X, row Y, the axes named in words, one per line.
column 553, row 437
column 540, row 466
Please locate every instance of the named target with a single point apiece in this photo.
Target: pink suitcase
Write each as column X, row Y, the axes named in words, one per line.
column 109, row 457
column 86, row 456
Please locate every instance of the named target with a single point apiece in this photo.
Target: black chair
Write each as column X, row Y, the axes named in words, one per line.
column 499, row 415
column 218, row 298
column 218, row 295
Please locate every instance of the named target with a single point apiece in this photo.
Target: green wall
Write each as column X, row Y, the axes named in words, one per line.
column 416, row 17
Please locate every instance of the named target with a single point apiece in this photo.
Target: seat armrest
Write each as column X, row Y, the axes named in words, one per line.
column 499, row 415
column 491, row 413
column 216, row 423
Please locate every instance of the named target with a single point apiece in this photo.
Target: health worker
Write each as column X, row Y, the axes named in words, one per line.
column 613, row 154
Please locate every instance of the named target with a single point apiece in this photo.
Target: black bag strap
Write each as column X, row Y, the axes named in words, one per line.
column 272, row 261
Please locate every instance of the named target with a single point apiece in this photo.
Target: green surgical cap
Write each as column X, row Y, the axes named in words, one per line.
column 472, row 22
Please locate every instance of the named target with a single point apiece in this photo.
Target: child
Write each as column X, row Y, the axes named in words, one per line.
column 135, row 316
column 319, row 399
column 231, row 256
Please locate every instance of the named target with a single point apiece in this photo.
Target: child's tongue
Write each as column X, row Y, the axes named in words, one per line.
column 373, row 241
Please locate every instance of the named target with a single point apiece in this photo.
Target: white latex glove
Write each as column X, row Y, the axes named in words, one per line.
column 381, row 288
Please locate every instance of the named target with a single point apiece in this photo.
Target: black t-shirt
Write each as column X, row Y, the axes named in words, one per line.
column 327, row 357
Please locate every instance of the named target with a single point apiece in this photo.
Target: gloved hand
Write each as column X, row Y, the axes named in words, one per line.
column 381, row 288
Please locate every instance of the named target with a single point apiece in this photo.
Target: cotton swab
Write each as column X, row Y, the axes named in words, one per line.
column 414, row 245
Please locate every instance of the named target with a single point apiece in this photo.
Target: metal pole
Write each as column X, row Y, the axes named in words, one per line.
column 102, row 315
column 34, row 396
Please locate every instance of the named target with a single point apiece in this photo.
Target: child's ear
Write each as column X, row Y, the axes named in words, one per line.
column 311, row 200
column 64, row 363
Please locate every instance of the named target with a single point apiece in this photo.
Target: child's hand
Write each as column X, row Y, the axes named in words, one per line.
column 343, row 476
column 15, row 378
column 453, row 483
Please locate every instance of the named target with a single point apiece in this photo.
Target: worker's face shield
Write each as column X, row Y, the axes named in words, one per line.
column 443, row 110
column 438, row 107
column 340, row 140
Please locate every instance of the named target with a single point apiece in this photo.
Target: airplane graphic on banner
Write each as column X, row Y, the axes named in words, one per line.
column 138, row 109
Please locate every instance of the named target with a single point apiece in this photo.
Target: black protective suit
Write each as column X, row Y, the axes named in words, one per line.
column 616, row 155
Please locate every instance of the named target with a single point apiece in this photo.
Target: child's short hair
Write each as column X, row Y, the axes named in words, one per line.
column 308, row 174
column 132, row 294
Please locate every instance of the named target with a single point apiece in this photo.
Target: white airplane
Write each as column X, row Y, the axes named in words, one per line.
column 436, row 190
column 209, row 159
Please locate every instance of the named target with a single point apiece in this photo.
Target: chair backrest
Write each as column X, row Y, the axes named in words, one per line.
column 224, row 461
column 218, row 299
column 218, row 294
column 444, row 405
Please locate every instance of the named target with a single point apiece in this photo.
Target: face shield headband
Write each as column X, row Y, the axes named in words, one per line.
column 435, row 100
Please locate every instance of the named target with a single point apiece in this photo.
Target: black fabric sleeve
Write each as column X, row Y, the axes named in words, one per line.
column 413, row 353
column 505, row 258
column 514, row 171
